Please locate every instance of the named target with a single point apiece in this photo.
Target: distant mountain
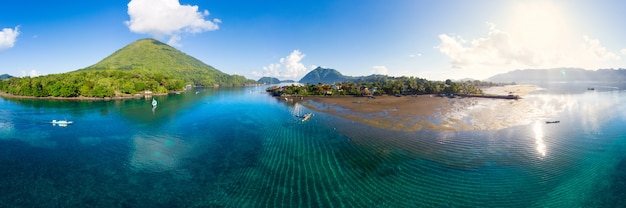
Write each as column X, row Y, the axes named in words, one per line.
column 323, row 75
column 287, row 81
column 268, row 80
column 561, row 74
column 152, row 56
column 330, row 76
column 5, row 76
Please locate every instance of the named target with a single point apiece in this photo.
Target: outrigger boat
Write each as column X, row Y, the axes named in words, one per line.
column 306, row 117
column 61, row 122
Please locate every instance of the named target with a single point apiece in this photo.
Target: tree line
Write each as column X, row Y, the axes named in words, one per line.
column 380, row 85
column 107, row 83
column 92, row 83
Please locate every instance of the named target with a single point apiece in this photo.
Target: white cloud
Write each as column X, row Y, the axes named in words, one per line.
column 382, row 70
column 497, row 49
column 167, row 18
column 415, row 55
column 8, row 37
column 288, row 67
column 596, row 51
column 623, row 51
column 501, row 51
column 32, row 73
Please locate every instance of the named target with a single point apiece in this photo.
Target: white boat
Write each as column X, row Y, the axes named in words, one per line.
column 61, row 122
column 154, row 102
column 306, row 117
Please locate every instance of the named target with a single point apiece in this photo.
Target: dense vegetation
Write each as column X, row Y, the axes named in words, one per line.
column 325, row 75
column 381, row 84
column 101, row 83
column 146, row 64
column 151, row 56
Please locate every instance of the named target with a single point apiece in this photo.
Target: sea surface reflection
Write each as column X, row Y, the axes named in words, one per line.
column 541, row 146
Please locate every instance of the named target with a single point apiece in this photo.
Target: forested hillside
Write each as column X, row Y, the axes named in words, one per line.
column 101, row 83
column 323, row 75
column 146, row 64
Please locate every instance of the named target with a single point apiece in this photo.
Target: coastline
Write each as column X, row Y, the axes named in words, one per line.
column 137, row 96
column 414, row 113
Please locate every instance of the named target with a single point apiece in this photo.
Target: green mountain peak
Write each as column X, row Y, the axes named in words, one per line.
column 323, row 75
column 144, row 65
column 150, row 55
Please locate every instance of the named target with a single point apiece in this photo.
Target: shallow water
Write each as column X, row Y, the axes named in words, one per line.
column 243, row 148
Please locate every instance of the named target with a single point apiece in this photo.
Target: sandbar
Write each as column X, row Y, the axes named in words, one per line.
column 417, row 112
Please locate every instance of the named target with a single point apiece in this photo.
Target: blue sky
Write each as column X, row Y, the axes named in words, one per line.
column 287, row 39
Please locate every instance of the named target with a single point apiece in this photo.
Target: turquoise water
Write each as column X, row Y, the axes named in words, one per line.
column 243, row 148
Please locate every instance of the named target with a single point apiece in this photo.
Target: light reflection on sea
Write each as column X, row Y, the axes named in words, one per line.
column 495, row 114
column 578, row 113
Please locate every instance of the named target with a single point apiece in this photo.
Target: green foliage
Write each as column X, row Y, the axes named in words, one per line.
column 149, row 56
column 324, row 75
column 380, row 84
column 101, row 83
column 146, row 64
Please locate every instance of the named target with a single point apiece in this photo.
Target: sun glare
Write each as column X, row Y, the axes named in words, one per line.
column 540, row 25
column 541, row 146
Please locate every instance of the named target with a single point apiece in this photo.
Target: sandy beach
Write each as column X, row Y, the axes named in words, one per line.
column 412, row 113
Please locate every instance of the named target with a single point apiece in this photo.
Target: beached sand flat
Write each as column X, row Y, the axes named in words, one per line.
column 411, row 113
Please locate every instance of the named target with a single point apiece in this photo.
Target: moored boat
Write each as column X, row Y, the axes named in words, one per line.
column 61, row 122
column 154, row 102
column 306, row 117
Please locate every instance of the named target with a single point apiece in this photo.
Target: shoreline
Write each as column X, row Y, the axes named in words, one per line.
column 80, row 98
column 432, row 112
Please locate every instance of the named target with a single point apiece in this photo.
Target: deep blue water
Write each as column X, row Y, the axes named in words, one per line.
column 242, row 148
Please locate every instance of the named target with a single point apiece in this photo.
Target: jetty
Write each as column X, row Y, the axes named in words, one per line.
column 509, row 97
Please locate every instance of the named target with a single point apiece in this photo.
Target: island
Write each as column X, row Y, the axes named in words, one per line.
column 144, row 67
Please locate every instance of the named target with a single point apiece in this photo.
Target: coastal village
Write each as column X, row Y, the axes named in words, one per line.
column 396, row 87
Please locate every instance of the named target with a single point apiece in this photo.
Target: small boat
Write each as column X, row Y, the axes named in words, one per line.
column 552, row 122
column 61, row 122
column 306, row 117
column 154, row 102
